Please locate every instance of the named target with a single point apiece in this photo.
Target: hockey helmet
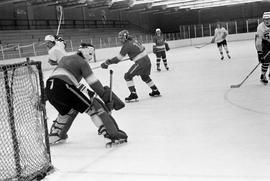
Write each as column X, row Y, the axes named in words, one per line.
column 49, row 41
column 87, row 51
column 49, row 38
column 158, row 31
column 123, row 35
column 266, row 18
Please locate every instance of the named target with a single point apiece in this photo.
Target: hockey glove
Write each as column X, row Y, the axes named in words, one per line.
column 105, row 64
column 260, row 56
column 167, row 46
column 52, row 62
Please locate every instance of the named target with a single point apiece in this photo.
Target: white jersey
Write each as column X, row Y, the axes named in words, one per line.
column 57, row 51
column 220, row 34
column 263, row 33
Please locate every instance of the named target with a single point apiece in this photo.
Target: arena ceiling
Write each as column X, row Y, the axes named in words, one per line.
column 147, row 6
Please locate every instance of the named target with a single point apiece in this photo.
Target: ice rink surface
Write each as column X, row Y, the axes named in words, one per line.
column 199, row 130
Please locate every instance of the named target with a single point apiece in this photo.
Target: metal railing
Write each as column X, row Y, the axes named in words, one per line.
column 233, row 27
column 28, row 24
column 185, row 32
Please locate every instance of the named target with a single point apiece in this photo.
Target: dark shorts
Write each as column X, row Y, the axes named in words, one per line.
column 161, row 54
column 64, row 96
column 141, row 67
column 223, row 43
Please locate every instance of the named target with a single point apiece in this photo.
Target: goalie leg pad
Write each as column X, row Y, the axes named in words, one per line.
column 117, row 102
column 61, row 126
column 110, row 125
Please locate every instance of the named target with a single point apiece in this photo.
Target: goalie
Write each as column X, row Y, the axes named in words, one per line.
column 70, row 98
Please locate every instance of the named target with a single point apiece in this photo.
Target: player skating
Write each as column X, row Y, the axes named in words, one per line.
column 65, row 93
column 159, row 49
column 56, row 48
column 220, row 38
column 262, row 43
column 141, row 67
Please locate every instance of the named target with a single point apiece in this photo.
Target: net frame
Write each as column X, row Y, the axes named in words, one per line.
column 34, row 72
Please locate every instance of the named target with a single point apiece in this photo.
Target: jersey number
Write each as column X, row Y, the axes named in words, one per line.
column 139, row 45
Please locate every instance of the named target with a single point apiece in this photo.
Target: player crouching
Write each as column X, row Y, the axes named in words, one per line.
column 69, row 97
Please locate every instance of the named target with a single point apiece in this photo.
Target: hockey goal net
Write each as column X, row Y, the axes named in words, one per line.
column 24, row 148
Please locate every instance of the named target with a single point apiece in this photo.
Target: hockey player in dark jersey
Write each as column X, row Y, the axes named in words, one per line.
column 69, row 97
column 159, row 48
column 141, row 67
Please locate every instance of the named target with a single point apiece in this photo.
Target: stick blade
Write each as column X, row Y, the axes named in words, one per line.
column 235, row 86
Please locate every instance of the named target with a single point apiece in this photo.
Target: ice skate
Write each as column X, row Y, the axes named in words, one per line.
column 222, row 57
column 158, row 69
column 55, row 139
column 117, row 139
column 263, row 79
column 132, row 97
column 111, row 143
column 154, row 93
column 167, row 68
column 229, row 57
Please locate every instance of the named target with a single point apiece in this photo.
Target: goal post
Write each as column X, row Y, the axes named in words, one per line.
column 24, row 147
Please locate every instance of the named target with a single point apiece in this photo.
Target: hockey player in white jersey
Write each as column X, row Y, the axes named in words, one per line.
column 262, row 43
column 220, row 38
column 56, row 49
column 68, row 96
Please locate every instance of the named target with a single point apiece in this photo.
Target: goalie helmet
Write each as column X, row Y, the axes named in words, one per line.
column 87, row 51
column 123, row 35
column 266, row 18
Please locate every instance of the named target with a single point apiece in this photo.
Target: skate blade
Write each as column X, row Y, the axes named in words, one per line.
column 130, row 101
column 115, row 143
column 264, row 83
column 59, row 142
column 156, row 95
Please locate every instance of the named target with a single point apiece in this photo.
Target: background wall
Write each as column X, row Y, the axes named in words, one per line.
column 106, row 53
column 148, row 21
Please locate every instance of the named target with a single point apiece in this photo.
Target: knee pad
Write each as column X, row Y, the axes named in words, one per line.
column 127, row 77
column 62, row 124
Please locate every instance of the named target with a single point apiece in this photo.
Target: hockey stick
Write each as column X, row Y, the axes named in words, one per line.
column 201, row 46
column 60, row 20
column 97, row 67
column 111, row 80
column 239, row 85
